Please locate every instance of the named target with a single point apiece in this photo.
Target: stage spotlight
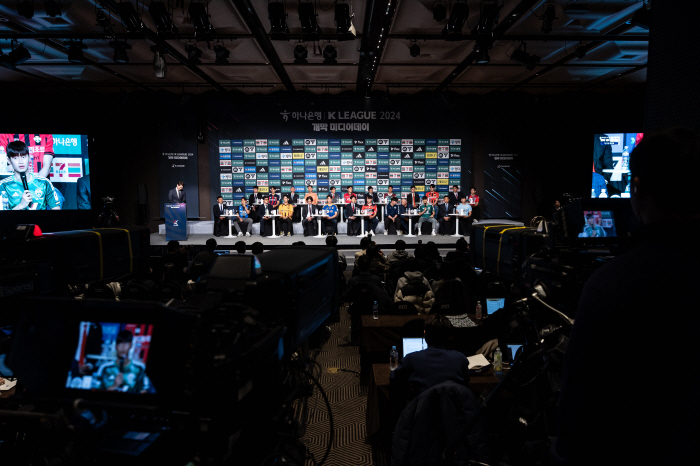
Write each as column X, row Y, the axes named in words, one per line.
column 343, row 22
column 277, row 14
column 300, row 54
column 161, row 17
column 548, row 18
column 193, row 54
column 160, row 66
column 26, row 8
column 130, row 18
column 200, row 20
column 439, row 12
column 458, row 16
column 120, row 54
column 488, row 17
column 16, row 57
column 482, row 56
column 222, row 54
column 310, row 30
column 329, row 55
column 53, row 8
column 75, row 52
column 415, row 50
column 522, row 57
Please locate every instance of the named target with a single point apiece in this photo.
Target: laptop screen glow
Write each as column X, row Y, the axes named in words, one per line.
column 494, row 304
column 411, row 345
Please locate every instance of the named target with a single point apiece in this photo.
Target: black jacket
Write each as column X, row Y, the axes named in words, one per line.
column 293, row 199
column 445, row 210
column 374, row 196
column 173, row 199
column 349, row 209
column 216, row 210
column 305, row 210
column 456, row 198
column 413, row 199
column 431, row 421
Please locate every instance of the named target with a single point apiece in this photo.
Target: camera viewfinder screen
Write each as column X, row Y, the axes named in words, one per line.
column 598, row 224
column 111, row 357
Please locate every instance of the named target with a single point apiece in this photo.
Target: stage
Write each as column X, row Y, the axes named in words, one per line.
column 344, row 241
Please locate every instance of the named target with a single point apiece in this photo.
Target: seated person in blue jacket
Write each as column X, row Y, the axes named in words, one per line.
column 242, row 216
column 330, row 215
column 435, row 364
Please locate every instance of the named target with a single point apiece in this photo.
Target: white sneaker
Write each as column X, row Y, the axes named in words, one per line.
column 386, row 232
column 371, row 232
column 247, row 234
column 476, row 221
column 433, row 233
column 400, row 233
column 420, row 233
column 240, row 234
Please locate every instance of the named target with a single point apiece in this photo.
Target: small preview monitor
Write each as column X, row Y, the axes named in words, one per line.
column 598, row 224
column 611, row 174
column 411, row 345
column 494, row 304
column 112, row 357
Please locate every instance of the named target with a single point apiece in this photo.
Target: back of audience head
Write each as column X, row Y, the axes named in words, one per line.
column 363, row 264
column 437, row 330
column 257, row 248
column 365, row 242
column 299, row 243
column 456, row 293
column 461, row 245
column 210, row 245
column 173, row 245
column 331, row 241
column 400, row 245
column 240, row 247
column 372, row 251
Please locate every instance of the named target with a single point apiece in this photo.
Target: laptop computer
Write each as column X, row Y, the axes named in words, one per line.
column 411, row 345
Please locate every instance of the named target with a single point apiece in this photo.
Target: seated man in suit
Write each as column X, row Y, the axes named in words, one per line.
column 178, row 195
column 434, row 365
column 353, row 221
column 243, row 216
column 330, row 216
column 293, row 196
column 219, row 216
column 308, row 221
column 392, row 216
column 444, row 220
column 413, row 199
column 265, row 218
column 252, row 204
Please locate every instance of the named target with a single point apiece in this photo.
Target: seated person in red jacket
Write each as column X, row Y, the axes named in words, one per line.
column 434, row 365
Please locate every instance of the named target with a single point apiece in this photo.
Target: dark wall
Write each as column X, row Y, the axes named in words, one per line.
column 553, row 136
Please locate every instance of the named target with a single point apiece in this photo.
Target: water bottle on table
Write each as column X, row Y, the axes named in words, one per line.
column 478, row 310
column 375, row 310
column 498, row 361
column 393, row 358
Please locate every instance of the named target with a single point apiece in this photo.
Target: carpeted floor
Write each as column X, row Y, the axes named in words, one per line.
column 348, row 402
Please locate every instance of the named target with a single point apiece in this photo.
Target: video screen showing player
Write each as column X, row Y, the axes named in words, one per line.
column 611, row 174
column 58, row 160
column 111, row 357
column 598, row 224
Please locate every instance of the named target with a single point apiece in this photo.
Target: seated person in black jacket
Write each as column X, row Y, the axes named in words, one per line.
column 434, row 365
column 444, row 220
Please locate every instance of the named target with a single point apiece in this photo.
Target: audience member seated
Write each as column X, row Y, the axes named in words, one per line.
column 400, row 253
column 455, row 293
column 378, row 263
column 410, row 272
column 240, row 247
column 421, row 261
column 332, row 241
column 364, row 277
column 432, row 253
column 434, row 365
column 446, row 272
column 176, row 255
column 413, row 287
column 257, row 248
column 364, row 244
column 207, row 256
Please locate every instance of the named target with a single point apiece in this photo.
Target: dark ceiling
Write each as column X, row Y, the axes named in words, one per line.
column 596, row 44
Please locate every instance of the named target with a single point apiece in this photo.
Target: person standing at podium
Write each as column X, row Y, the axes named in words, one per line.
column 178, row 195
column 219, row 216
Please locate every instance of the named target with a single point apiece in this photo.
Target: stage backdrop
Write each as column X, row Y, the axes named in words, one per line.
column 335, row 142
column 177, row 150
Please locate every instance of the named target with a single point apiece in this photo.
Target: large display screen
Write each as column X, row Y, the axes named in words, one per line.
column 44, row 172
column 326, row 163
column 112, row 357
column 611, row 174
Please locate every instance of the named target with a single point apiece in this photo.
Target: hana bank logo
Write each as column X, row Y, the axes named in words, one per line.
column 178, row 166
column 175, row 223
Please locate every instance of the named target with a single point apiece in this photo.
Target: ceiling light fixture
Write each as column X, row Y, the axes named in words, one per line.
column 548, row 17
column 300, row 54
column 53, row 8
column 75, row 52
column 130, row 18
column 120, row 54
column 415, row 50
column 521, row 56
column 482, row 56
column 162, row 17
column 329, row 55
column 458, row 16
column 17, row 56
column 277, row 14
column 488, row 17
column 345, row 30
column 199, row 15
column 222, row 54
column 25, row 8
column 193, row 54
column 160, row 66
column 310, row 30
